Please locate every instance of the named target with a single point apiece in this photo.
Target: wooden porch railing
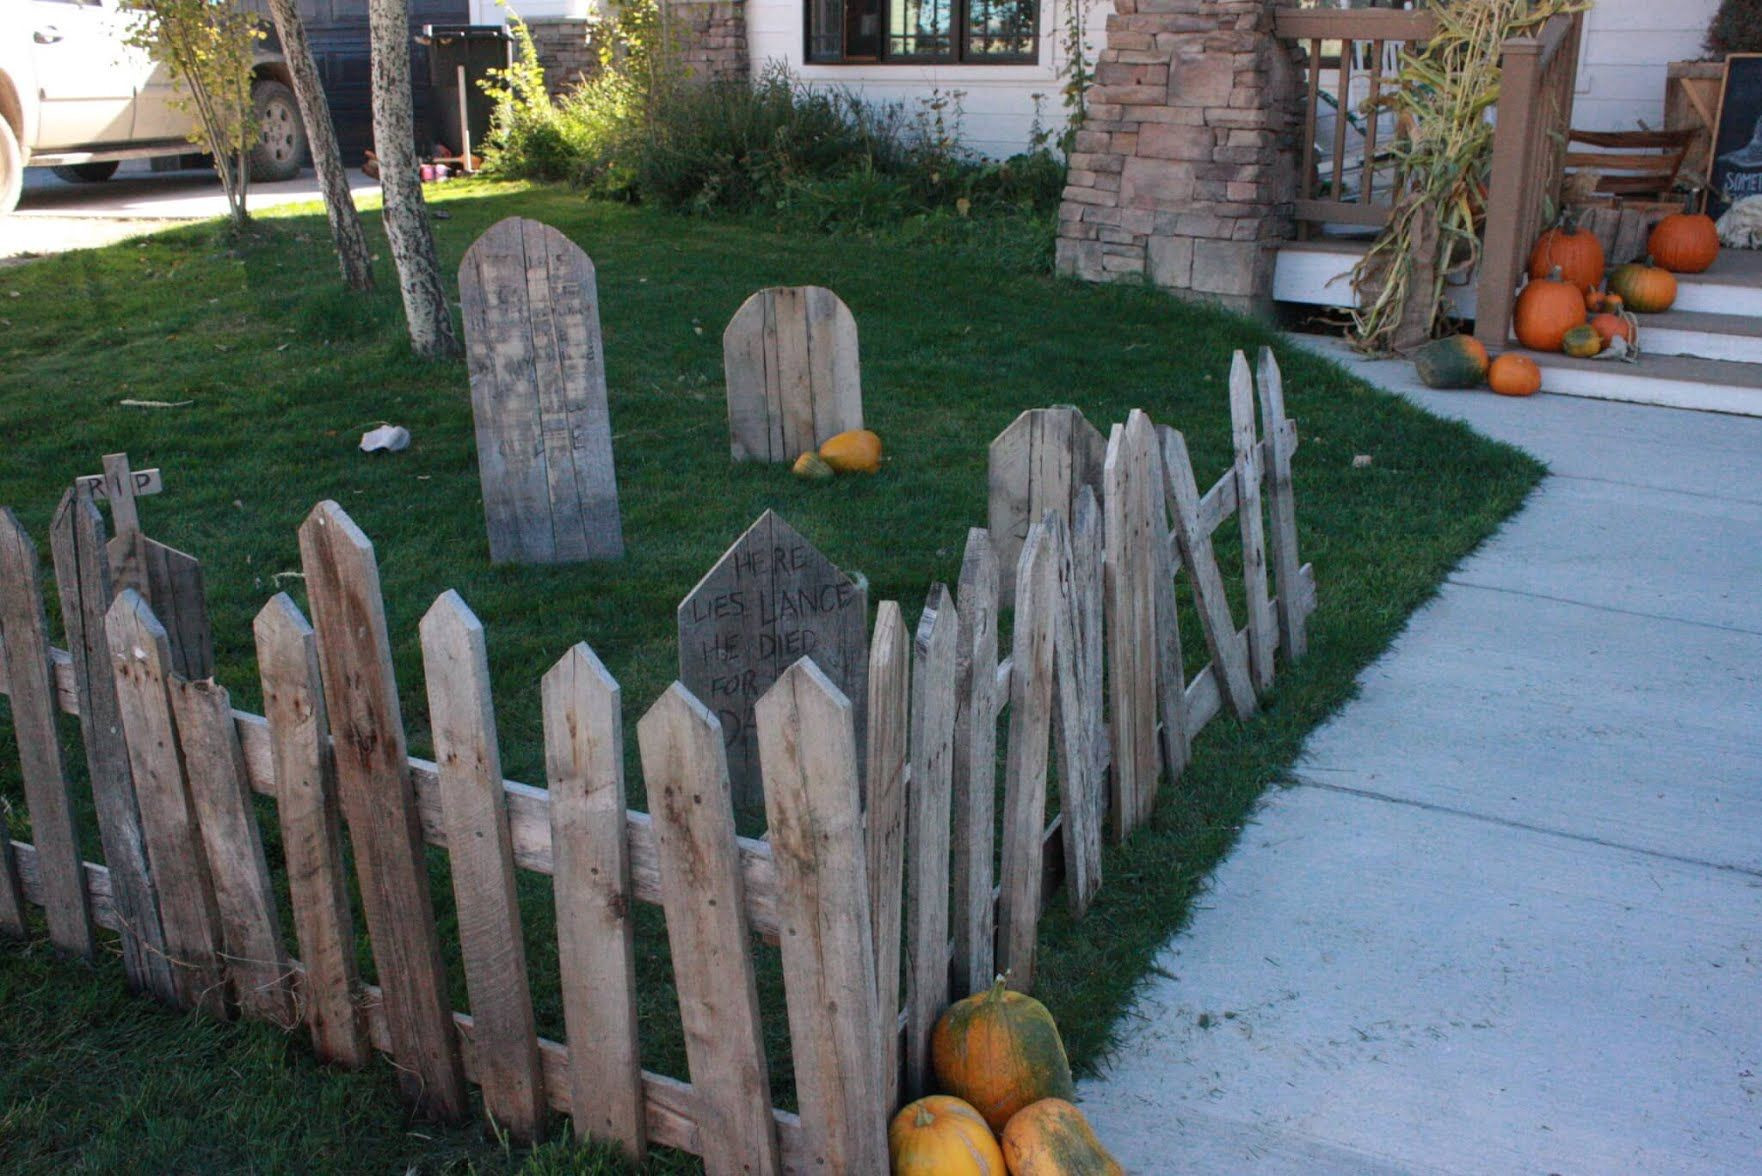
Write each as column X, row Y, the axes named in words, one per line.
column 1529, row 141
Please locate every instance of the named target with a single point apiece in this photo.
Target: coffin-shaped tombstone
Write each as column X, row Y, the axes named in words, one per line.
column 790, row 358
column 538, row 396
column 1040, row 463
column 771, row 600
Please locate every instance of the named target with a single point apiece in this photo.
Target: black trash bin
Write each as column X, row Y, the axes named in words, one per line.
column 463, row 54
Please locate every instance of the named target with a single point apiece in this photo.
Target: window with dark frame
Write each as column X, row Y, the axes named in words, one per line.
column 972, row 32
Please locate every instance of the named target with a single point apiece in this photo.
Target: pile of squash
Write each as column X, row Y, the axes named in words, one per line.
column 1007, row 1106
column 1460, row 361
column 855, row 451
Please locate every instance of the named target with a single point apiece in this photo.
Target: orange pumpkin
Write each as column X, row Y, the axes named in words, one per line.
column 942, row 1136
column 1546, row 309
column 1644, row 288
column 1611, row 325
column 999, row 1050
column 1512, row 374
column 1684, row 243
column 1052, row 1138
column 1574, row 251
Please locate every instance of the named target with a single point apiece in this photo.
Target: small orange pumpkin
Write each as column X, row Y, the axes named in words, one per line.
column 942, row 1136
column 1052, row 1138
column 1609, row 326
column 1512, row 374
column 1574, row 251
column 1684, row 242
column 1546, row 309
column 1644, row 288
column 999, row 1050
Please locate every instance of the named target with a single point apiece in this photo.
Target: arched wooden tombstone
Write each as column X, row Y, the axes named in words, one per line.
column 1040, row 463
column 771, row 600
column 538, row 396
column 790, row 359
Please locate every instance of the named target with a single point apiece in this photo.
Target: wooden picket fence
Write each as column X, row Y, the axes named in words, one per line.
column 862, row 863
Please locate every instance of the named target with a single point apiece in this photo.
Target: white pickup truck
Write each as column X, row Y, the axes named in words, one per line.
column 75, row 96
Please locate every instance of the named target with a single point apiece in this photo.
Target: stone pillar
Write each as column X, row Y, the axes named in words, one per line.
column 566, row 50
column 1184, row 173
column 711, row 35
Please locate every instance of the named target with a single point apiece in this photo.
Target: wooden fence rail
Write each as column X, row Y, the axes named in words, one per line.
column 860, row 870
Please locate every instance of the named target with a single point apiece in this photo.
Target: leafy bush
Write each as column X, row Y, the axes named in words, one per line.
column 1736, row 28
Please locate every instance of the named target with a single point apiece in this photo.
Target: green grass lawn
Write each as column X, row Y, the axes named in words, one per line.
column 284, row 371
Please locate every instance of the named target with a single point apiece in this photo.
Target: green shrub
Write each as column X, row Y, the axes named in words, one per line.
column 1736, row 28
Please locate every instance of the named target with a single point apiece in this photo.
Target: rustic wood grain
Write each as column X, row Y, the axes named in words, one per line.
column 82, row 579
column 24, row 641
column 807, row 742
column 373, row 776
column 772, row 598
column 1229, row 652
column 538, row 396
column 884, row 818
column 1082, row 801
column 1171, row 672
column 685, row 772
column 931, row 792
column 226, row 818
column 1282, row 506
column 1261, row 626
column 790, row 359
column 974, row 830
column 1088, row 590
column 1040, row 462
column 1132, row 478
column 12, row 899
column 1027, row 753
column 140, row 659
column 596, row 943
column 311, row 830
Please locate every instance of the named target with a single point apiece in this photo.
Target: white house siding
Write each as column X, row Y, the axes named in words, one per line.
column 488, row 12
column 1627, row 46
column 997, row 101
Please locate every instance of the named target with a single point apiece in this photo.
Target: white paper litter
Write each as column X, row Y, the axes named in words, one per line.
column 385, row 439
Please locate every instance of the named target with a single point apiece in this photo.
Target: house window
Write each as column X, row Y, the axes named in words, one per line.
column 977, row 32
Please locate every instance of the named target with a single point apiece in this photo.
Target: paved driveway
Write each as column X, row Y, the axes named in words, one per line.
column 1509, row 917
column 55, row 216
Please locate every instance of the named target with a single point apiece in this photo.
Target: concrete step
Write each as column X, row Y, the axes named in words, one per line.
column 1734, row 337
column 1731, row 286
column 1673, row 381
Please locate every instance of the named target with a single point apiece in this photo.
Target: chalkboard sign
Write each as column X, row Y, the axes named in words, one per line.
column 1737, row 139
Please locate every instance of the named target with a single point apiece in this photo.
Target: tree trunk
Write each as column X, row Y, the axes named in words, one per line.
column 327, row 160
column 406, row 215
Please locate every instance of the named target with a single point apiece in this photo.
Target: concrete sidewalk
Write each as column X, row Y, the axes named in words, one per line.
column 1509, row 919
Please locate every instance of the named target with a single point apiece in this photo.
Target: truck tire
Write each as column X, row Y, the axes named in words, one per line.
column 11, row 168
column 86, row 173
column 281, row 152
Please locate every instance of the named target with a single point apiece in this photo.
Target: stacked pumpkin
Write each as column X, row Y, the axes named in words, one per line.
column 999, row 1057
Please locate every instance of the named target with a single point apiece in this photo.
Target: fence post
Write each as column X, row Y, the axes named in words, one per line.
column 888, row 750
column 1282, row 502
column 975, row 770
column 1130, row 480
column 933, row 707
column 808, row 753
column 1248, row 471
column 685, row 770
column 24, row 639
column 1034, row 645
column 1082, row 788
column 373, row 776
column 1513, row 170
column 455, row 662
column 311, row 830
column 596, row 935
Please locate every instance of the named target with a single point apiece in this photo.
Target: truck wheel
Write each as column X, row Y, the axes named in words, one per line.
column 86, row 173
column 11, row 168
column 281, row 152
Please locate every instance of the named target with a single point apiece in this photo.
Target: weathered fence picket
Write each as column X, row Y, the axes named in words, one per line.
column 596, row 935
column 1130, row 503
column 927, row 836
column 1249, row 473
column 311, row 830
column 1282, row 501
column 169, row 580
column 1229, row 653
column 884, row 815
column 467, row 754
column 973, row 827
column 1041, row 462
column 361, row 698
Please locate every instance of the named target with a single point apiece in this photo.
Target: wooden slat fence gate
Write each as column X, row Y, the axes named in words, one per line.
column 876, row 866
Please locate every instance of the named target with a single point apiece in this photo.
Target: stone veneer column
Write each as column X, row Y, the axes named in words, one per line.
column 711, row 37
column 1185, row 169
column 566, row 50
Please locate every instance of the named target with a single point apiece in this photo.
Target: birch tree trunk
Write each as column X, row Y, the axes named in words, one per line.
column 327, row 160
column 406, row 215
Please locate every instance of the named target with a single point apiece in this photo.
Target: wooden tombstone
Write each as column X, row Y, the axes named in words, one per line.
column 1040, row 463
column 538, row 396
column 771, row 600
column 790, row 359
column 168, row 579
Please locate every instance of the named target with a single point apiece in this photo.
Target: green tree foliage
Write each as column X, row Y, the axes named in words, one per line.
column 1736, row 28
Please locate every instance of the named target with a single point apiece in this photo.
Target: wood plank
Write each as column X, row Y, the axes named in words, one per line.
column 1131, row 482
column 119, row 491
column 140, row 658
column 932, row 783
column 1026, row 757
column 1249, row 472
column 1088, row 593
column 367, row 726
column 884, row 818
column 82, row 579
column 790, row 360
column 311, row 830
column 596, row 936
column 12, row 899
column 807, row 742
column 1171, row 674
column 1081, row 789
column 461, row 712
column 24, row 641
column 743, row 367
column 974, row 829
column 794, row 376
column 839, row 406
column 1228, row 652
column 142, row 483
column 685, row 771
column 1039, row 463
column 1282, row 506
column 226, row 818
